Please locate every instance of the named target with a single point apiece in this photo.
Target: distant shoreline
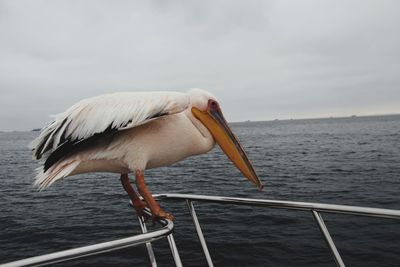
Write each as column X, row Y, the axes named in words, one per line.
column 321, row 118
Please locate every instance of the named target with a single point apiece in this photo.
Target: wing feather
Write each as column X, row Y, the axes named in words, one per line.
column 116, row 111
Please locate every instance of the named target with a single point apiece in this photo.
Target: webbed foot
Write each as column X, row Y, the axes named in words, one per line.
column 162, row 215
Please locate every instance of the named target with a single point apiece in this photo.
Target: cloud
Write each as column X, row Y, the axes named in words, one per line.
column 263, row 59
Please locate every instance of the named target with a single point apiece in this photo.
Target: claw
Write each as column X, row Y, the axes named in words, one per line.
column 162, row 215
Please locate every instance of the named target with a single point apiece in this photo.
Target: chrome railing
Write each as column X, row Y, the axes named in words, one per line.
column 166, row 231
column 315, row 208
column 144, row 238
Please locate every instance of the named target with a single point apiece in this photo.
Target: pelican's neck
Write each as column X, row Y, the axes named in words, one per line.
column 198, row 124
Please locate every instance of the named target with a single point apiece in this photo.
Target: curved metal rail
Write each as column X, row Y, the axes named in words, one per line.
column 291, row 205
column 144, row 238
column 315, row 208
column 148, row 237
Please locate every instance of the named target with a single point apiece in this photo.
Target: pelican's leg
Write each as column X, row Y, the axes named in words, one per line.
column 137, row 203
column 156, row 211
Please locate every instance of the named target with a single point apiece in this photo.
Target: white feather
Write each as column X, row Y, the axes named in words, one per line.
column 117, row 111
column 57, row 172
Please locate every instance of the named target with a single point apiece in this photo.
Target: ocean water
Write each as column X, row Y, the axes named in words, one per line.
column 354, row 161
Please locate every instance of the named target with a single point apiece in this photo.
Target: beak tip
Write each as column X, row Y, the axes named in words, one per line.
column 261, row 188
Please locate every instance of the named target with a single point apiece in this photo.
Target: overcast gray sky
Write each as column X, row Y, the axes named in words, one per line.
column 262, row 59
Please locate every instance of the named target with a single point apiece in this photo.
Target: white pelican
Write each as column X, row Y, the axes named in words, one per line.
column 134, row 131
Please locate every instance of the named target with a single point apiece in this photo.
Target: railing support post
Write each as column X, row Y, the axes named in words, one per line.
column 199, row 232
column 171, row 243
column 149, row 247
column 174, row 250
column 328, row 238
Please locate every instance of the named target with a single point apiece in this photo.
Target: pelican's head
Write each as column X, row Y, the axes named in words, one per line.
column 206, row 109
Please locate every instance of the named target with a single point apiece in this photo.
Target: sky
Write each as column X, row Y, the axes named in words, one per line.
column 263, row 60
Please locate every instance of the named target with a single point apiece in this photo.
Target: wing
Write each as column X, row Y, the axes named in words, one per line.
column 106, row 113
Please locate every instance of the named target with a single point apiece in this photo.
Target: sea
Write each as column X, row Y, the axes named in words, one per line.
column 351, row 161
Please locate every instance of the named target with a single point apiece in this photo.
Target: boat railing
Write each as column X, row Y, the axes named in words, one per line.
column 166, row 231
column 100, row 248
column 315, row 208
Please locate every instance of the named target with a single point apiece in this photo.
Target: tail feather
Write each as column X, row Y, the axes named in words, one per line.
column 60, row 170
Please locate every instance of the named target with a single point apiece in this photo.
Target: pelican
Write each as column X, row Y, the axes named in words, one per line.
column 129, row 132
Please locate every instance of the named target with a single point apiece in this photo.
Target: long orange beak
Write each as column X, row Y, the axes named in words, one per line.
column 215, row 122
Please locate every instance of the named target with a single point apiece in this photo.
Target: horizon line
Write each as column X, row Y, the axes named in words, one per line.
column 266, row 120
column 321, row 118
